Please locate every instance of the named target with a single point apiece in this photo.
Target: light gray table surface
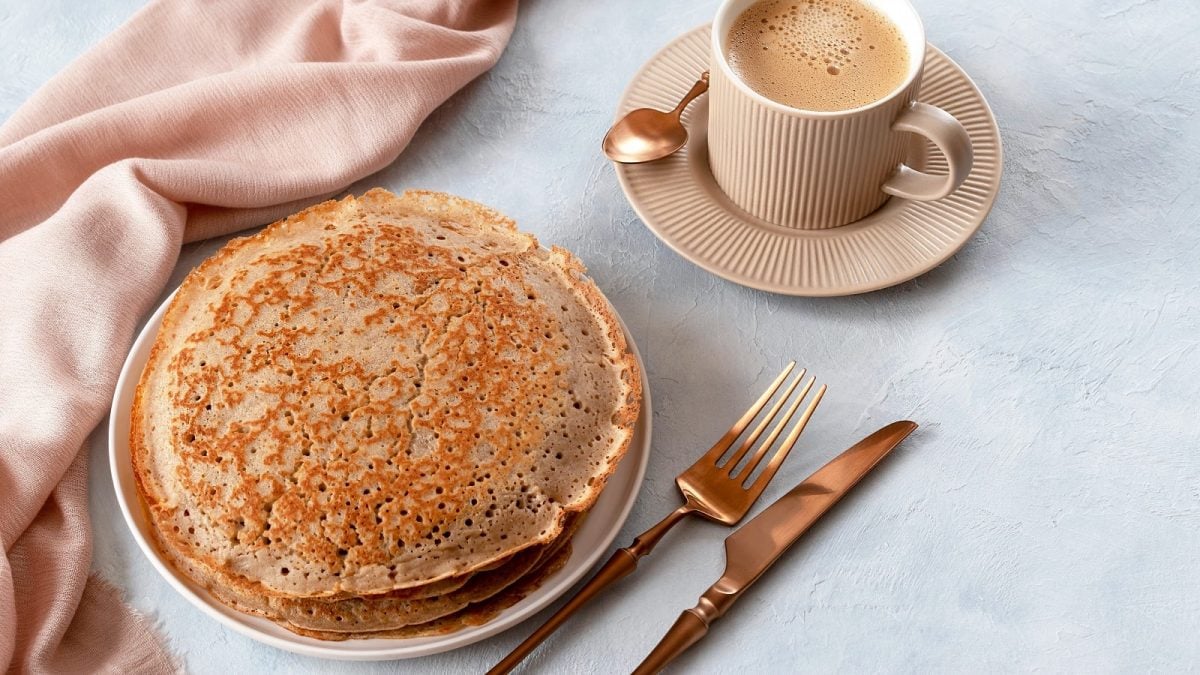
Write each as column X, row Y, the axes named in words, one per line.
column 1046, row 516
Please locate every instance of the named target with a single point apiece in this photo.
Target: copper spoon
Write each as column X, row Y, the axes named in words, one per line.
column 646, row 134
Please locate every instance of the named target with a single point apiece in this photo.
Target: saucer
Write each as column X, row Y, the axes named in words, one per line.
column 678, row 199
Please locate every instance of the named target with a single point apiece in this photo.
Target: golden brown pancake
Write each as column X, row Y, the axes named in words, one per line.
column 474, row 615
column 377, row 394
column 389, row 611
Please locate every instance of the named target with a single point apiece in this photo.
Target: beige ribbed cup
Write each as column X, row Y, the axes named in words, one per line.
column 816, row 170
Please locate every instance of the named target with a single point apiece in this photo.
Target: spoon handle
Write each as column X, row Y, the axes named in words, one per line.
column 700, row 87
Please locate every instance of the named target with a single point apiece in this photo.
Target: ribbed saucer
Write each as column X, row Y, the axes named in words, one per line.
column 680, row 202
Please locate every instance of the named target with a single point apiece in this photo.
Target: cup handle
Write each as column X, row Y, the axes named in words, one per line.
column 949, row 136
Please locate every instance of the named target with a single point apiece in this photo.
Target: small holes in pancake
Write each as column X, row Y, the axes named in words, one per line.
column 521, row 435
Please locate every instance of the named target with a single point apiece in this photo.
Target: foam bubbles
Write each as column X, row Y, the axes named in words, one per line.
column 817, row 54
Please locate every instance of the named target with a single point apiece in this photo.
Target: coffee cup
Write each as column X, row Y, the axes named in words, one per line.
column 822, row 168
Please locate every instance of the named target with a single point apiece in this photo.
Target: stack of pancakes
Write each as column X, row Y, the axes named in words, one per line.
column 380, row 417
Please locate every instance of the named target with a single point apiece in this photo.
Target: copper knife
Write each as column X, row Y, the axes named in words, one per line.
column 758, row 544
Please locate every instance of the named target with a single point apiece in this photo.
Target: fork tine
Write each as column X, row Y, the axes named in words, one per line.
column 766, row 445
column 766, row 420
column 736, row 430
column 760, row 483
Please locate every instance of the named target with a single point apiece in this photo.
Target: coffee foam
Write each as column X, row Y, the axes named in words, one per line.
column 817, row 54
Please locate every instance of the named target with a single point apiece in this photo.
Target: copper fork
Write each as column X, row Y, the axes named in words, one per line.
column 714, row 489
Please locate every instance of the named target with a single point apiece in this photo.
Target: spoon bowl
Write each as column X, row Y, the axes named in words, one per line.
column 645, row 134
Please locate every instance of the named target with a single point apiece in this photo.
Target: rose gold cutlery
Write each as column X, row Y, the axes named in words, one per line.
column 720, row 491
column 757, row 545
column 647, row 134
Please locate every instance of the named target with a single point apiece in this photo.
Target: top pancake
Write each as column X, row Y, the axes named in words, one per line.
column 379, row 393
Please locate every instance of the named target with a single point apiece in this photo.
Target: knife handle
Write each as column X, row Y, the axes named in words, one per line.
column 685, row 632
column 622, row 562
column 691, row 626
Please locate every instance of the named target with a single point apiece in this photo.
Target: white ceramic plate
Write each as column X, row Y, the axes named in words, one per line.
column 592, row 540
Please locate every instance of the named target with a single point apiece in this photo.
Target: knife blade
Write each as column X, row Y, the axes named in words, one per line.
column 753, row 548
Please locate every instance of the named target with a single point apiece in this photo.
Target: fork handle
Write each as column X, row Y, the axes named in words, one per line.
column 622, row 562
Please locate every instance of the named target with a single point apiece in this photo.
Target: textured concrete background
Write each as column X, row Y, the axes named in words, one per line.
column 1047, row 514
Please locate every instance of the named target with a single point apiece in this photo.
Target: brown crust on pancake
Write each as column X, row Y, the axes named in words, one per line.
column 473, row 615
column 389, row 611
column 251, row 509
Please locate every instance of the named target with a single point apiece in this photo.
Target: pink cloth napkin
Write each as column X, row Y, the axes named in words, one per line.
column 191, row 120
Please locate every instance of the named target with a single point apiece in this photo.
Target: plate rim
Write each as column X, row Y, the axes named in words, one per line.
column 800, row 290
column 551, row 590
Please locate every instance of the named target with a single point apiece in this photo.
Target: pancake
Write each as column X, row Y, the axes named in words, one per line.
column 388, row 611
column 379, row 394
column 474, row 615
